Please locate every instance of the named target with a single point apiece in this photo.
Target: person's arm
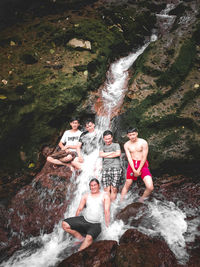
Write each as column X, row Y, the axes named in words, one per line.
column 82, row 204
column 63, row 141
column 78, row 150
column 111, row 154
column 61, row 145
column 145, row 150
column 128, row 154
column 71, row 146
column 107, row 209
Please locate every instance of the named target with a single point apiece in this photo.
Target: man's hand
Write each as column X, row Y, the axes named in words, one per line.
column 137, row 173
column 66, row 148
column 80, row 159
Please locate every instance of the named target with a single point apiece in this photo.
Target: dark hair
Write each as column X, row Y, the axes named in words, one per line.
column 88, row 121
column 132, row 129
column 94, row 180
column 74, row 119
column 107, row 132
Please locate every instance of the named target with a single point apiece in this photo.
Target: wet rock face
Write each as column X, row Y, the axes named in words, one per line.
column 44, row 82
column 137, row 249
column 101, row 253
column 181, row 190
column 37, row 206
column 132, row 214
column 162, row 100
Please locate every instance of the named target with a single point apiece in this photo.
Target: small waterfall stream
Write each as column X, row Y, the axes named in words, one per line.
column 48, row 249
column 169, row 221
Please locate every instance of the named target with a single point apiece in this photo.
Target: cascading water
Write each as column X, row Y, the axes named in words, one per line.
column 50, row 249
column 47, row 250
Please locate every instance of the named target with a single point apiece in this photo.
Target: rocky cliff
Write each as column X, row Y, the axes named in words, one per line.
column 54, row 58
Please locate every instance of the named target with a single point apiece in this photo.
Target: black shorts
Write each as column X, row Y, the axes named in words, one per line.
column 79, row 224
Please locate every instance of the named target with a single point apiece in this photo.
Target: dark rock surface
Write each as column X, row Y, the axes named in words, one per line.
column 36, row 207
column 101, row 253
column 136, row 249
column 43, row 83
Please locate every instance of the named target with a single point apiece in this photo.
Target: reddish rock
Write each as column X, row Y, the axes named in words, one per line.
column 139, row 250
column 39, row 205
column 133, row 213
column 181, row 188
column 99, row 254
column 194, row 260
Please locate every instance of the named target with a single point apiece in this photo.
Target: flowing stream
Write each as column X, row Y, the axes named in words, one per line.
column 49, row 249
column 168, row 220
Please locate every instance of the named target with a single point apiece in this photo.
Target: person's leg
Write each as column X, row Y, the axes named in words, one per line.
column 87, row 242
column 106, row 181
column 107, row 189
column 54, row 161
column 76, row 164
column 67, row 158
column 113, row 194
column 125, row 189
column 115, row 182
column 68, row 229
column 149, row 188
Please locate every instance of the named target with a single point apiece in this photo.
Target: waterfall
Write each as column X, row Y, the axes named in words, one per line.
column 49, row 249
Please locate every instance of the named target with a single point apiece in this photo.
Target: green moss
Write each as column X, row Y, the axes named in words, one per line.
column 134, row 25
column 180, row 68
column 170, row 139
column 188, row 98
column 196, row 35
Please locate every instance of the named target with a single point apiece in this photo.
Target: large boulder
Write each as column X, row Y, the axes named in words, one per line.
column 137, row 249
column 99, row 254
column 39, row 205
column 80, row 43
column 132, row 214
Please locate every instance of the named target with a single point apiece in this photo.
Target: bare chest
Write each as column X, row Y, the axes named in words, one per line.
column 136, row 148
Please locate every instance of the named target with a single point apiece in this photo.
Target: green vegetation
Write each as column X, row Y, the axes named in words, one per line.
column 133, row 24
column 180, row 68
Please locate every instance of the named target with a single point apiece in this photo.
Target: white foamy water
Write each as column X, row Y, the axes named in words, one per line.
column 169, row 222
column 116, row 83
column 165, row 20
column 49, row 249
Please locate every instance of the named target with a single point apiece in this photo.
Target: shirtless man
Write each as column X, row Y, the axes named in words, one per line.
column 68, row 145
column 87, row 227
column 136, row 151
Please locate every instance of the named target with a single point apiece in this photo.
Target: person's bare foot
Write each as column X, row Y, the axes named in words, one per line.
column 142, row 200
column 78, row 241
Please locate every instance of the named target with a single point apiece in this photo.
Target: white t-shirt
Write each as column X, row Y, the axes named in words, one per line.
column 71, row 138
column 94, row 208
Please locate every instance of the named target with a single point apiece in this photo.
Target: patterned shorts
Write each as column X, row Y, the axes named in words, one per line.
column 111, row 176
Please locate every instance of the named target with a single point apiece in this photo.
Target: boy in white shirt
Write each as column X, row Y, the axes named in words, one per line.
column 68, row 145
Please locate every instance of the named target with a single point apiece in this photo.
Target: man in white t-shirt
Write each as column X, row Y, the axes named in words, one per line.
column 87, row 226
column 68, row 145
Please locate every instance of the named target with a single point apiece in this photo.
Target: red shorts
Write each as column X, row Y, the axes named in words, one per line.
column 144, row 171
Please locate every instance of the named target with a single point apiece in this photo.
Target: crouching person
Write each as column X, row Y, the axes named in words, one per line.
column 86, row 228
